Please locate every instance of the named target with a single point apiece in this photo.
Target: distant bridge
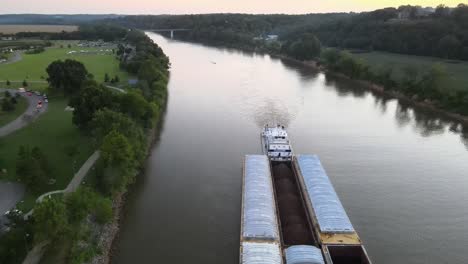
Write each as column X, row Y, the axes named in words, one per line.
column 171, row 30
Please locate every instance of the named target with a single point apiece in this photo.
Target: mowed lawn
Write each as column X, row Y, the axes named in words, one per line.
column 32, row 67
column 20, row 107
column 457, row 70
column 55, row 135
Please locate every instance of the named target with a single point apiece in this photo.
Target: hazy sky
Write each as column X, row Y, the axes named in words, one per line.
column 203, row 6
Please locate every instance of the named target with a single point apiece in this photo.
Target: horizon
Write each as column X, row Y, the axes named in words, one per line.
column 185, row 7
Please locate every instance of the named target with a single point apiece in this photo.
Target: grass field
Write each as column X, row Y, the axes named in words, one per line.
column 20, row 107
column 55, row 134
column 32, row 67
column 457, row 70
column 12, row 29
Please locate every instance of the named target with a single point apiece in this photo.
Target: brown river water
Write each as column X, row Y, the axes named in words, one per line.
column 401, row 173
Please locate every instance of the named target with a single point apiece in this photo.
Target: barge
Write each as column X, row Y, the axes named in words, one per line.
column 290, row 211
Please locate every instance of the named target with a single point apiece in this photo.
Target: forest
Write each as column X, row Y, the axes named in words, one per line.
column 442, row 33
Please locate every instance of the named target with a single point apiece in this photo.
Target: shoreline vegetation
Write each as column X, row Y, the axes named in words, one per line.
column 351, row 45
column 81, row 226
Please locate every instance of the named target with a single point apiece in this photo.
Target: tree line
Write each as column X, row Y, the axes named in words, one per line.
column 443, row 33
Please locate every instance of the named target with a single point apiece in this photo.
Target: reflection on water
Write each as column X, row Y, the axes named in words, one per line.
column 425, row 122
column 399, row 171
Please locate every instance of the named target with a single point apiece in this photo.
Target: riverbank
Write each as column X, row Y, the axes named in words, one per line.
column 380, row 89
column 110, row 231
column 412, row 100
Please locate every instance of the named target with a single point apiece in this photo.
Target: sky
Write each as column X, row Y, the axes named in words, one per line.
column 203, row 6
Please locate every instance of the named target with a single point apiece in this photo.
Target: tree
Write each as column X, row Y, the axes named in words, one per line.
column 90, row 99
column 117, row 163
column 7, row 105
column 25, row 83
column 67, row 76
column 449, row 46
column 135, row 105
column 117, row 79
column 442, row 11
column 50, row 220
column 308, row 47
column 8, row 83
column 106, row 120
column 32, row 168
column 116, row 150
column 79, row 204
column 106, row 78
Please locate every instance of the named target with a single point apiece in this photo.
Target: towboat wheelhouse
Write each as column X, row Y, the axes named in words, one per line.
column 275, row 143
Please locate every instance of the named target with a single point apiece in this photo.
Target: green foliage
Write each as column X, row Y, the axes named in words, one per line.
column 50, row 220
column 8, row 83
column 106, row 120
column 79, row 204
column 36, row 50
column 90, row 99
column 13, row 246
column 15, row 243
column 25, row 84
column 106, row 77
column 117, row 165
column 32, row 168
column 7, row 104
column 67, row 76
column 103, row 211
column 306, row 48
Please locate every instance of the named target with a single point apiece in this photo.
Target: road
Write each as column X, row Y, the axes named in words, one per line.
column 27, row 117
column 10, row 194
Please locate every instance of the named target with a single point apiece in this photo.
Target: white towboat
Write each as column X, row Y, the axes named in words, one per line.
column 275, row 143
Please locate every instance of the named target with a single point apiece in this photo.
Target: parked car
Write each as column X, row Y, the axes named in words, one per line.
column 37, row 93
column 21, row 90
column 46, row 101
column 29, row 93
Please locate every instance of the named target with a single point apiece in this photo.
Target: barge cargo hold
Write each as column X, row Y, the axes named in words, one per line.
column 290, row 211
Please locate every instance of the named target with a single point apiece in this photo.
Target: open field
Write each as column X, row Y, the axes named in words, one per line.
column 20, row 107
column 53, row 127
column 457, row 70
column 13, row 29
column 32, row 67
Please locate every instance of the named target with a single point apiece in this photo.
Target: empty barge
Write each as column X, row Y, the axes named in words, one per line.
column 290, row 211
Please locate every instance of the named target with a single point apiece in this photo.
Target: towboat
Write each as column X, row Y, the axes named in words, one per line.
column 275, row 143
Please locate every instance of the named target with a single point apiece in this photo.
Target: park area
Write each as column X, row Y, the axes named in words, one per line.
column 457, row 71
column 8, row 116
column 32, row 67
column 65, row 147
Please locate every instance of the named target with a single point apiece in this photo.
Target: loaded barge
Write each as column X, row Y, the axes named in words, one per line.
column 290, row 211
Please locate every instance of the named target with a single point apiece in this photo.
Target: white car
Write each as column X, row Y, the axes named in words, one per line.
column 46, row 101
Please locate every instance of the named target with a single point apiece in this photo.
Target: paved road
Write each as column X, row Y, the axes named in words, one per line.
column 10, row 194
column 27, row 117
column 15, row 58
column 116, row 89
column 76, row 181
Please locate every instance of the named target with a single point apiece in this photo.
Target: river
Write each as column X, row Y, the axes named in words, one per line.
column 401, row 173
